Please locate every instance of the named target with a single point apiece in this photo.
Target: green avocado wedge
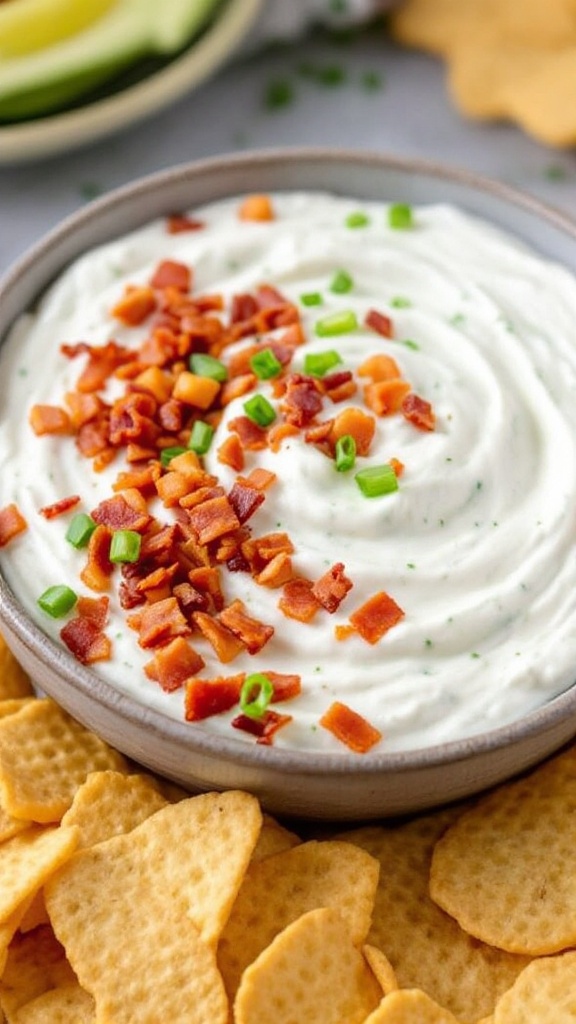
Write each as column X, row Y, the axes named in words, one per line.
column 40, row 82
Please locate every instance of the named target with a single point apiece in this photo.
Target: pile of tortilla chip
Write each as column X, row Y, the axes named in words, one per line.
column 505, row 58
column 124, row 900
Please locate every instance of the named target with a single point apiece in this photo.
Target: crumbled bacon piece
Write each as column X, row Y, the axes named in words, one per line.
column 207, row 697
column 135, row 306
column 213, row 518
column 159, row 622
column 171, row 274
column 264, row 728
column 93, row 608
column 173, row 664
column 231, row 453
column 386, row 396
column 12, row 523
column 252, row 437
column 118, row 514
column 380, row 323
column 98, row 569
column 225, row 643
column 302, row 400
column 103, row 360
column 252, row 633
column 59, row 507
column 331, row 589
column 350, row 728
column 285, row 686
column 49, row 419
column 376, row 616
column 419, row 412
column 298, row 601
column 176, row 223
column 86, row 640
column 245, row 500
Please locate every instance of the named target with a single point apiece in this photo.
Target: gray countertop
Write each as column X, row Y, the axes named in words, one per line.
column 364, row 93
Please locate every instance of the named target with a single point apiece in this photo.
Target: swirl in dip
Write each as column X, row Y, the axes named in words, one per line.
column 466, row 559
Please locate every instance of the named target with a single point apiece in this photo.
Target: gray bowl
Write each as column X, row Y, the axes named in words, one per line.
column 330, row 787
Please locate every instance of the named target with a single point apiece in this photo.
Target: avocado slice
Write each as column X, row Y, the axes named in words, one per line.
column 127, row 31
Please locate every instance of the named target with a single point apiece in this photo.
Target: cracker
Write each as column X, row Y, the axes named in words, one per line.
column 110, row 803
column 545, row 993
column 273, row 838
column 36, row 962
column 505, row 869
column 44, row 756
column 14, row 681
column 381, row 968
column 279, row 889
column 427, row 949
column 36, row 913
column 311, row 972
column 163, row 885
column 66, row 1005
column 410, row 1006
column 28, row 860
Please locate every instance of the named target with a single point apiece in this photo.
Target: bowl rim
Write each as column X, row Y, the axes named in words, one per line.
column 59, row 132
column 189, row 735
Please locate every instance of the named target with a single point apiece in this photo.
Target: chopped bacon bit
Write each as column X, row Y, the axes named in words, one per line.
column 190, row 599
column 259, row 478
column 284, row 686
column 59, row 507
column 135, row 306
column 397, row 466
column 236, row 387
column 360, row 425
column 157, row 381
column 380, row 323
column 159, row 622
column 252, row 633
column 103, row 459
column 201, row 495
column 93, row 608
column 143, row 480
column 103, row 360
column 298, row 601
column 339, row 386
column 173, row 486
column 302, row 400
column 344, row 632
column 170, row 274
column 264, row 728
column 132, row 419
column 194, row 390
column 179, row 222
column 252, row 437
column 226, row 645
column 293, row 336
column 83, row 408
column 158, row 581
column 419, row 412
column 256, row 207
column 12, row 522
column 245, row 500
column 92, row 438
column 49, row 419
column 386, row 396
column 212, row 519
column 320, row 434
column 173, row 664
column 278, row 433
column 98, row 569
column 350, row 728
column 231, row 453
column 331, row 589
column 277, row 572
column 244, row 306
column 207, row 697
column 206, row 579
column 119, row 514
column 86, row 641
column 379, row 367
column 376, row 616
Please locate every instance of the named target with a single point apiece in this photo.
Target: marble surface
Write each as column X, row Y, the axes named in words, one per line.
column 364, row 92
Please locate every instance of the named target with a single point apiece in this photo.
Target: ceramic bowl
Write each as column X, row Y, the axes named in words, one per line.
column 328, row 786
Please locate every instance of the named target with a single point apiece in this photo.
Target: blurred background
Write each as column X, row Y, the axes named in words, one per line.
column 268, row 73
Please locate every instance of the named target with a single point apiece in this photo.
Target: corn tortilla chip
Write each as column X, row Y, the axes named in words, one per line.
column 14, row 682
column 67, row 1005
column 28, row 860
column 545, row 993
column 36, row 962
column 111, row 803
column 410, row 1006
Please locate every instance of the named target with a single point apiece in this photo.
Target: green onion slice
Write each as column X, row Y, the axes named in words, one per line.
column 265, row 364
column 345, row 453
column 125, row 546
column 201, row 437
column 80, row 530
column 336, row 323
column 259, row 410
column 167, row 454
column 341, row 282
column 256, row 693
column 400, row 216
column 311, row 299
column 57, row 601
column 317, row 364
column 377, row 480
column 208, row 366
column 357, row 219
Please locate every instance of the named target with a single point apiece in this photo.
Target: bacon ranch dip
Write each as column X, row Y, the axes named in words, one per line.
column 302, row 467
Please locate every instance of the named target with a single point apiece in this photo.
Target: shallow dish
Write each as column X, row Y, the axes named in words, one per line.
column 323, row 786
column 91, row 121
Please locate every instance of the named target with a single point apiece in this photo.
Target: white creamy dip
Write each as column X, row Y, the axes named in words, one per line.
column 476, row 545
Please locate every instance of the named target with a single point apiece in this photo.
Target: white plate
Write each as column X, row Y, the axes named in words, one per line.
column 46, row 136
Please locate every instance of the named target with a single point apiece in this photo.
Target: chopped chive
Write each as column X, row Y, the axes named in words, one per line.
column 201, row 437
column 377, row 480
column 358, row 219
column 400, row 216
column 265, row 364
column 345, row 453
column 341, row 282
column 331, row 75
column 400, row 302
column 256, row 693
column 311, row 299
column 58, row 600
column 208, row 366
column 411, row 344
column 259, row 410
column 125, row 546
column 371, row 81
column 80, row 530
column 317, row 364
column 279, row 93
column 336, row 323
column 167, row 454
